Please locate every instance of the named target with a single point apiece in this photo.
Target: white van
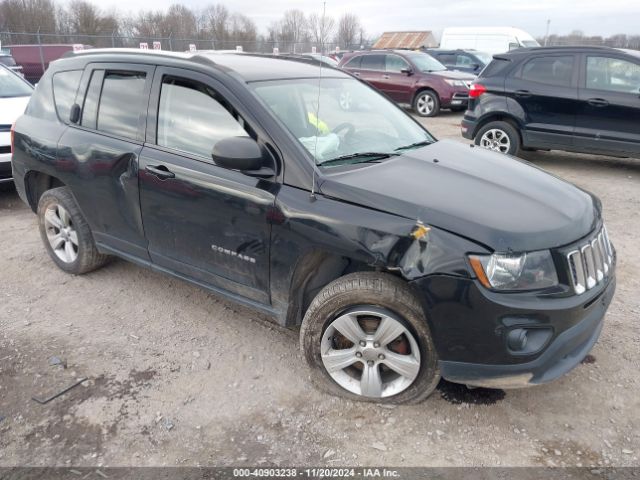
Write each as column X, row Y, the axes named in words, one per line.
column 486, row 39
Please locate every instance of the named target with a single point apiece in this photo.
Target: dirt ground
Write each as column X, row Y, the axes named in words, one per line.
column 179, row 376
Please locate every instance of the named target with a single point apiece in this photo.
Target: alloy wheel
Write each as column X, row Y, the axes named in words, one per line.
column 61, row 233
column 496, row 140
column 370, row 352
column 345, row 100
column 425, row 104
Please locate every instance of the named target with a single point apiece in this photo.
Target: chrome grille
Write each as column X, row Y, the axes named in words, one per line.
column 591, row 262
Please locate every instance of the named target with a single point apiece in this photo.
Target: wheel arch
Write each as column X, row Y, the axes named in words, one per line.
column 314, row 271
column 498, row 117
column 36, row 183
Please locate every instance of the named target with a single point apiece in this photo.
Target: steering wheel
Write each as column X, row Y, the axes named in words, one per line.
column 350, row 129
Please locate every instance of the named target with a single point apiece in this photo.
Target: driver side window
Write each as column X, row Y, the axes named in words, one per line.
column 395, row 64
column 192, row 117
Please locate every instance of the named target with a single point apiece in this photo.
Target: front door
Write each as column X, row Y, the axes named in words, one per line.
column 544, row 92
column 396, row 83
column 609, row 112
column 203, row 221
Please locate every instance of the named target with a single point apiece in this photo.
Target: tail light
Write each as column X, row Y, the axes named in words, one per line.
column 476, row 90
column 12, row 136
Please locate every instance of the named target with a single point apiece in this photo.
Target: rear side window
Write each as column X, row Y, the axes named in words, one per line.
column 65, row 86
column 497, row 67
column 354, row 62
column 192, row 117
column 121, row 102
column 372, row 62
column 549, row 70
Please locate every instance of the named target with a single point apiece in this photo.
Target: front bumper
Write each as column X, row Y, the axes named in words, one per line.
column 5, row 167
column 457, row 99
column 469, row 327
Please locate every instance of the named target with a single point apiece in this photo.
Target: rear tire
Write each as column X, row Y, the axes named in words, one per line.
column 426, row 103
column 390, row 299
column 66, row 234
column 499, row 136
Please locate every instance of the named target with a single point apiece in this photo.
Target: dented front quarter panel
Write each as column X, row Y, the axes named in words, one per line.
column 304, row 225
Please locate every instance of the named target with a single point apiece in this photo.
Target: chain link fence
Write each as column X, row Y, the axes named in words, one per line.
column 46, row 47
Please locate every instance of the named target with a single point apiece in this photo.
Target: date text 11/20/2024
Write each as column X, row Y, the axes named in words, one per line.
column 316, row 473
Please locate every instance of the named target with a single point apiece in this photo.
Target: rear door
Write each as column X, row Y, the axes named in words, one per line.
column 203, row 221
column 543, row 90
column 372, row 67
column 100, row 153
column 609, row 110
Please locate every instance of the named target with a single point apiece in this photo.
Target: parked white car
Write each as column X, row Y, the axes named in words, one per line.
column 14, row 96
column 486, row 39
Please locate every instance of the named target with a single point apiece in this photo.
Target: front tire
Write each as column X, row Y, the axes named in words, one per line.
column 426, row 103
column 365, row 338
column 66, row 234
column 500, row 137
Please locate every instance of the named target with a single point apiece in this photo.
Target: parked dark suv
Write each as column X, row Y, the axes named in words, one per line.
column 410, row 78
column 403, row 259
column 470, row 61
column 581, row 99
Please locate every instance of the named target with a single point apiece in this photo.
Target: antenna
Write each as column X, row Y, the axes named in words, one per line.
column 315, row 148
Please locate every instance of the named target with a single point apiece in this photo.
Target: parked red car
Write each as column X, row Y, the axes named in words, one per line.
column 32, row 58
column 412, row 78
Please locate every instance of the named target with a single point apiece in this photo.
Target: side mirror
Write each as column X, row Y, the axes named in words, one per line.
column 407, row 71
column 475, row 66
column 241, row 153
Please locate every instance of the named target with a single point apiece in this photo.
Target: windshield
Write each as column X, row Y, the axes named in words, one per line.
column 425, row 62
column 484, row 57
column 340, row 117
column 13, row 86
column 529, row 43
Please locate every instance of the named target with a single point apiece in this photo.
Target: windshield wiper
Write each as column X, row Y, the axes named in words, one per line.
column 423, row 143
column 366, row 156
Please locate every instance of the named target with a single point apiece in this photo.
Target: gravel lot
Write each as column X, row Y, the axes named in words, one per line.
column 179, row 376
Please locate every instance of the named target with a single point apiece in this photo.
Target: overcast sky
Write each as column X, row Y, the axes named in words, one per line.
column 594, row 17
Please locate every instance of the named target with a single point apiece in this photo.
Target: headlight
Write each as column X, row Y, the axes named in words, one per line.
column 455, row 83
column 526, row 271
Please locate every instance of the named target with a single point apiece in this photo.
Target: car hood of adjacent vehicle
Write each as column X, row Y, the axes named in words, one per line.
column 11, row 108
column 496, row 200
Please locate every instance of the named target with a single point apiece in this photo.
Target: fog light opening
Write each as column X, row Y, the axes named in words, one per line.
column 517, row 339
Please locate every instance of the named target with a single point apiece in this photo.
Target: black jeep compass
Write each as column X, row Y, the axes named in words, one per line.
column 402, row 258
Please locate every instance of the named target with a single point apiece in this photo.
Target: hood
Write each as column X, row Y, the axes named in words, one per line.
column 454, row 74
column 496, row 200
column 11, row 109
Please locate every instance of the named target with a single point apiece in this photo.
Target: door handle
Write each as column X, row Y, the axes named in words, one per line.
column 386, row 77
column 160, row 171
column 523, row 93
column 356, row 74
column 597, row 102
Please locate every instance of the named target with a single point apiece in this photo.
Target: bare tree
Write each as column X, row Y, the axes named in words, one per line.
column 321, row 28
column 294, row 27
column 214, row 21
column 84, row 18
column 28, row 16
column 242, row 31
column 348, row 30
